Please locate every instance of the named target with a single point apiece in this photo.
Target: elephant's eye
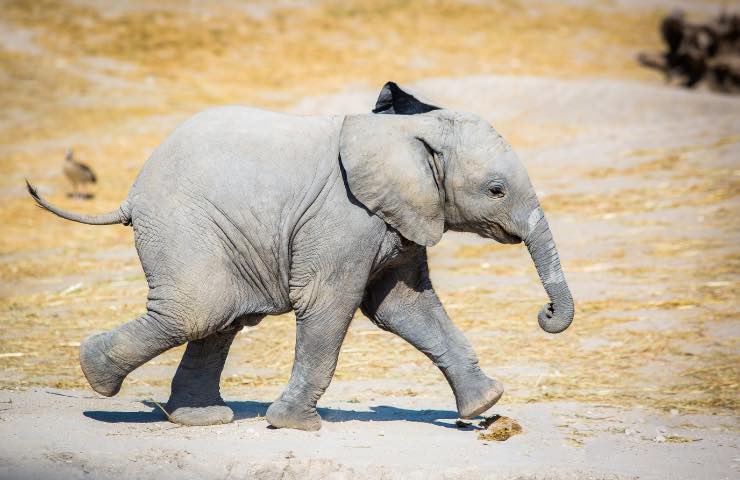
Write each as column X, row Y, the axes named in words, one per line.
column 496, row 190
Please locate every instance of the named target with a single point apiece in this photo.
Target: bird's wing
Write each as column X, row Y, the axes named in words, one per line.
column 88, row 172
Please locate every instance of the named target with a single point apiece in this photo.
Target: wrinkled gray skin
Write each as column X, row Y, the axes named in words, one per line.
column 243, row 213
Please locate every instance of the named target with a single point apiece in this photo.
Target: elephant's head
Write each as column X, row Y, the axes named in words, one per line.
column 424, row 170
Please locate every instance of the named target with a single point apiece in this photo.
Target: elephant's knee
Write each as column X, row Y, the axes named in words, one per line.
column 168, row 318
column 188, row 315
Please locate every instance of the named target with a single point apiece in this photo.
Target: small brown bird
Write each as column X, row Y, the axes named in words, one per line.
column 78, row 173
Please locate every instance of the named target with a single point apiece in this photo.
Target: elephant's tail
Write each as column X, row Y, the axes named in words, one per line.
column 121, row 215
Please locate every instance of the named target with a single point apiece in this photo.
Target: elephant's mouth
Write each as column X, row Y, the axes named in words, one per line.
column 509, row 238
column 500, row 235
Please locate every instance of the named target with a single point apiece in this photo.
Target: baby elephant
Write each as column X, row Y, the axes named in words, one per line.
column 243, row 213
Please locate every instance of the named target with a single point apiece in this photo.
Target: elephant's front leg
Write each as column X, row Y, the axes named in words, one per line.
column 195, row 398
column 328, row 277
column 319, row 336
column 403, row 302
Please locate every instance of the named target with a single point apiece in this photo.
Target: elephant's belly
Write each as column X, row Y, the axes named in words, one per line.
column 256, row 262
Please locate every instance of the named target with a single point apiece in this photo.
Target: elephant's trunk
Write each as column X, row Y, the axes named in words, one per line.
column 558, row 314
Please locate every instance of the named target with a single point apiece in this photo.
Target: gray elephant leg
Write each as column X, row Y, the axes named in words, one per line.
column 192, row 311
column 195, row 397
column 319, row 336
column 328, row 275
column 107, row 358
column 403, row 302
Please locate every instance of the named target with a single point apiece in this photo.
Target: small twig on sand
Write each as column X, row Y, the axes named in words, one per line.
column 88, row 397
column 161, row 408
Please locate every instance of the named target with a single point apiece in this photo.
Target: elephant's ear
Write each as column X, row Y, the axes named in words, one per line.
column 392, row 167
column 394, row 100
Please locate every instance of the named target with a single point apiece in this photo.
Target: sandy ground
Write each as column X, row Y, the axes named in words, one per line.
column 61, row 434
column 640, row 182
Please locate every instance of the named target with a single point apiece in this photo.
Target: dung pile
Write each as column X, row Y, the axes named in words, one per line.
column 699, row 53
column 498, row 428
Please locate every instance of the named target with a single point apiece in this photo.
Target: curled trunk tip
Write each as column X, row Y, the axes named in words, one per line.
column 553, row 321
column 557, row 315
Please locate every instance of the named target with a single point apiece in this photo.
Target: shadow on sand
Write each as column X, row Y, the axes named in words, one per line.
column 248, row 409
column 81, row 195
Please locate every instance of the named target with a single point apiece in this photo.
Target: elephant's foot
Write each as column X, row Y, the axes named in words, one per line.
column 475, row 399
column 190, row 410
column 104, row 376
column 199, row 416
column 282, row 414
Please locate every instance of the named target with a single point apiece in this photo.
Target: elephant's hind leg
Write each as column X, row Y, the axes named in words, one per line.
column 174, row 316
column 107, row 358
column 195, row 398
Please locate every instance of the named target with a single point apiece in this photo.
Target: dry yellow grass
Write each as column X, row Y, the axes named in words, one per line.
column 184, row 59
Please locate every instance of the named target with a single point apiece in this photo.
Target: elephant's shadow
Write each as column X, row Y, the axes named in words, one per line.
column 249, row 409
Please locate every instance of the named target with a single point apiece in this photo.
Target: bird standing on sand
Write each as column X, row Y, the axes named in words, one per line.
column 78, row 173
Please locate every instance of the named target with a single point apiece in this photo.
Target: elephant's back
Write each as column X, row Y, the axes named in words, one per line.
column 245, row 141
column 240, row 156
